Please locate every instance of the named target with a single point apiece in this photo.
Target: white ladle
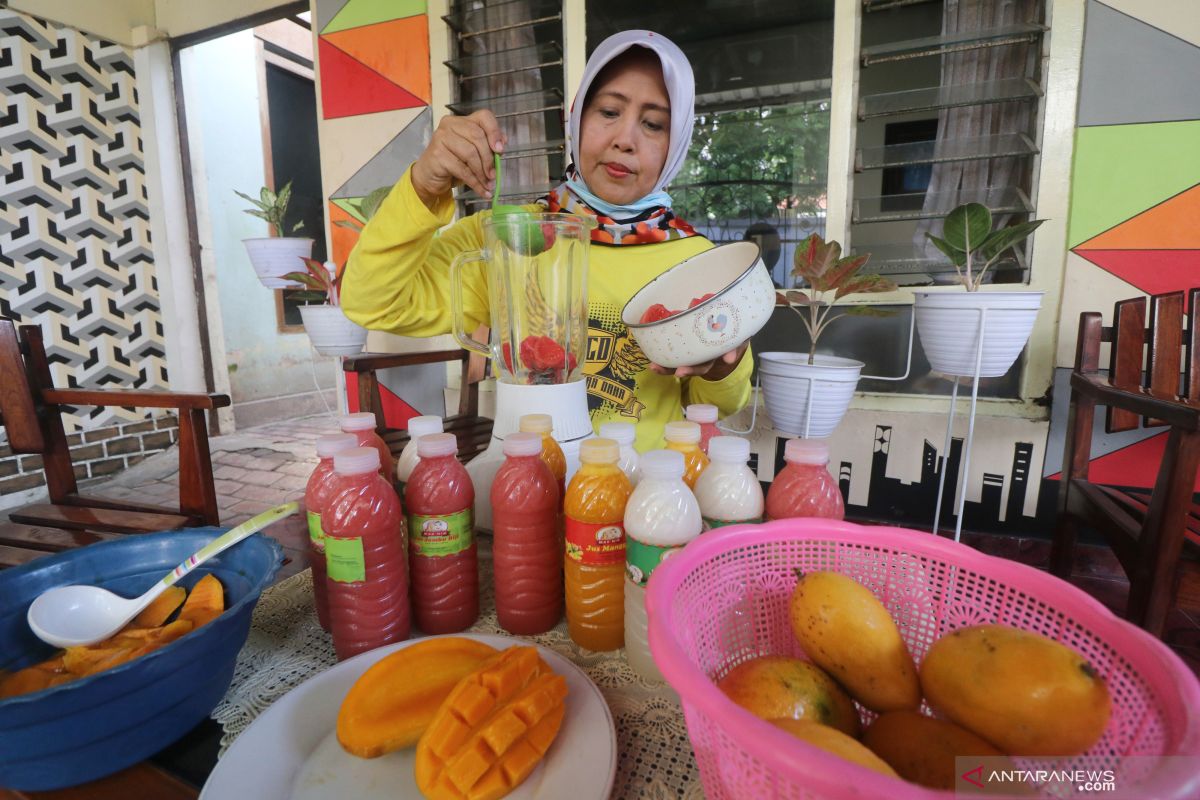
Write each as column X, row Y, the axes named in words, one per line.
column 67, row 616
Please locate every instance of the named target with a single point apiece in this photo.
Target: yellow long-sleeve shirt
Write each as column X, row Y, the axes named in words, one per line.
column 398, row 280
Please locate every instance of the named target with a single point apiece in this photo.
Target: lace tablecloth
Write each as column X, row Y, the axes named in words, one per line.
column 286, row 646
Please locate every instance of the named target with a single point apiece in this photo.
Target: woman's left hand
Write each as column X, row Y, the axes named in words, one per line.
column 713, row 370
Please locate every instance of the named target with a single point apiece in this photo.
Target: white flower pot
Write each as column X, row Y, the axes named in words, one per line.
column 948, row 323
column 276, row 256
column 786, row 382
column 331, row 331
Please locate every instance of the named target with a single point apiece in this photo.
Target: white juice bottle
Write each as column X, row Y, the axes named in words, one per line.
column 661, row 516
column 729, row 491
column 417, row 427
column 623, row 434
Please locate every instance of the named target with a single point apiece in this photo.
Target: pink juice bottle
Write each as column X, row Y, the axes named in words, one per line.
column 317, row 493
column 526, row 551
column 367, row 573
column 362, row 425
column 441, row 538
column 804, row 488
column 705, row 416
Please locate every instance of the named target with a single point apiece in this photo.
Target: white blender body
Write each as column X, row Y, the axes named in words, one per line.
column 536, row 267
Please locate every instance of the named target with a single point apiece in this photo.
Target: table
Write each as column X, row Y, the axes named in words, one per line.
column 287, row 646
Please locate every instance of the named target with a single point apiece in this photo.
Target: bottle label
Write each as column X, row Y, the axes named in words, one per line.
column 344, row 561
column 314, row 527
column 595, row 544
column 441, row 534
column 642, row 559
column 710, row 522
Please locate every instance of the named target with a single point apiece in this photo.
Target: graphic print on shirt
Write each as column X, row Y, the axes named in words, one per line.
column 613, row 361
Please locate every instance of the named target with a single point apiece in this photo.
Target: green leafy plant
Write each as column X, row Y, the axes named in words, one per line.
column 968, row 239
column 272, row 207
column 324, row 284
column 828, row 277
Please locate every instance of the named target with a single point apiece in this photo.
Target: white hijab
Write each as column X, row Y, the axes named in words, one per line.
column 681, row 89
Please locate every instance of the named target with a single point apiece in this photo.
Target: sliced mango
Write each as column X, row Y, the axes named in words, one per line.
column 493, row 729
column 161, row 609
column 205, row 602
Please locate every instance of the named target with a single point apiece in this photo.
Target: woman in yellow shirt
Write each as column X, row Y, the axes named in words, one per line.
column 628, row 136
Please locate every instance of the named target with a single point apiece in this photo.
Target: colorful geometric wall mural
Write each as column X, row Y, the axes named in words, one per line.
column 375, row 90
column 1135, row 196
column 75, row 254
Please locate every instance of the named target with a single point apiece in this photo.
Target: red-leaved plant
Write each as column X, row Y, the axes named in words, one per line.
column 323, row 283
column 825, row 272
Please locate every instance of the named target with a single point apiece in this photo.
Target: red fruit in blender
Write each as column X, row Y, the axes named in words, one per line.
column 656, row 312
column 548, row 235
column 528, row 355
column 549, row 353
column 698, row 300
column 507, row 349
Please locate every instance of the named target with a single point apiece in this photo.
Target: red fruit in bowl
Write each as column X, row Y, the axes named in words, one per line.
column 698, row 300
column 656, row 312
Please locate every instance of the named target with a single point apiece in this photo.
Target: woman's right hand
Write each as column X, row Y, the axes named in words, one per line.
column 460, row 152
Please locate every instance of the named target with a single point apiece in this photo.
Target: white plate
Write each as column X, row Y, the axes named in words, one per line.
column 291, row 752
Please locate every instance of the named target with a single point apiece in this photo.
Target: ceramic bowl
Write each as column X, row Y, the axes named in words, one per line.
column 742, row 301
column 92, row 727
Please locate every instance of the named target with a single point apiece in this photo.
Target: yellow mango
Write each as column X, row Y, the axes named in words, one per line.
column 392, row 704
column 848, row 633
column 922, row 749
column 780, row 687
column 1026, row 694
column 205, row 602
column 836, row 742
column 160, row 609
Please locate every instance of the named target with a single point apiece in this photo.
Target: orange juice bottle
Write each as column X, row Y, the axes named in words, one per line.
column 685, row 437
column 595, row 550
column 552, row 454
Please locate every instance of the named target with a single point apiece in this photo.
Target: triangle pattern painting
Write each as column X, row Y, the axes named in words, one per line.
column 388, row 164
column 1157, row 250
column 357, row 13
column 1134, row 466
column 349, row 87
column 376, row 46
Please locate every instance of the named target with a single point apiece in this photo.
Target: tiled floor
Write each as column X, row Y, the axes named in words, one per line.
column 261, row 467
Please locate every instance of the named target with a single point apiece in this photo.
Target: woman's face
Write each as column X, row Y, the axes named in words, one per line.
column 626, row 131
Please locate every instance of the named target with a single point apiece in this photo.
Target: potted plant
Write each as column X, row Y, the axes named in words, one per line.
column 787, row 378
column 329, row 329
column 948, row 322
column 275, row 256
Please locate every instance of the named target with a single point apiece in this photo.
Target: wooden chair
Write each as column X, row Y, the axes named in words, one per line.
column 1146, row 529
column 31, row 414
column 473, row 431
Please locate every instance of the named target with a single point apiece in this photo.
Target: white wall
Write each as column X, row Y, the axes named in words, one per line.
column 222, row 95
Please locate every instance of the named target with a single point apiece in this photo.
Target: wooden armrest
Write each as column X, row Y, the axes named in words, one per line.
column 377, row 361
column 1172, row 413
column 134, row 397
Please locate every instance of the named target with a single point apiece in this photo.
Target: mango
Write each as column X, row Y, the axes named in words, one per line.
column 1026, row 694
column 922, row 749
column 392, row 704
column 847, row 632
column 780, row 687
column 836, row 742
column 493, row 729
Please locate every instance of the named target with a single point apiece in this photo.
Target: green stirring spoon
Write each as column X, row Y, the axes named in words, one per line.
column 518, row 228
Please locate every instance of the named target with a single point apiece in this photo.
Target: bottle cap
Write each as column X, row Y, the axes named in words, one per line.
column 619, row 432
column 599, row 451
column 807, row 451
column 334, row 443
column 536, row 423
column 701, row 413
column 423, row 426
column 662, row 464
column 732, row 449
column 522, row 444
column 356, row 461
column 362, row 421
column 437, row 444
column 682, row 432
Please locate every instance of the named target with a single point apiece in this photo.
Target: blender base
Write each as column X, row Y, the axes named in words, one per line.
column 566, row 404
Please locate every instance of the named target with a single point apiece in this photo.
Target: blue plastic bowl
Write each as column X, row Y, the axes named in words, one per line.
column 95, row 726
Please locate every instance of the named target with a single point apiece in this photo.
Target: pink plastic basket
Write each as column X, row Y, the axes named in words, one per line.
column 724, row 599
